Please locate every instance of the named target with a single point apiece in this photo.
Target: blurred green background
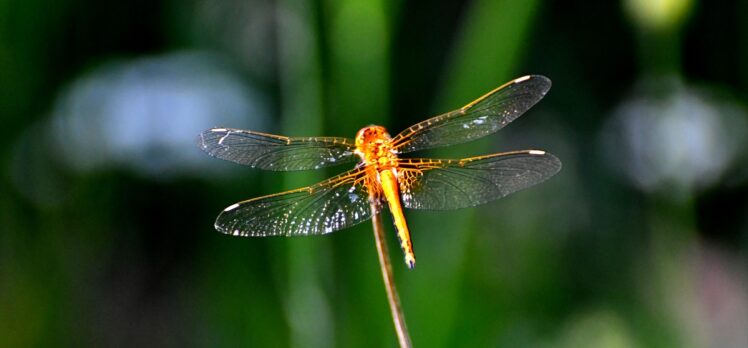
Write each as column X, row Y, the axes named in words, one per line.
column 107, row 204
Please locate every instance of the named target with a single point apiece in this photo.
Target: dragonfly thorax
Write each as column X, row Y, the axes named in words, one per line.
column 374, row 146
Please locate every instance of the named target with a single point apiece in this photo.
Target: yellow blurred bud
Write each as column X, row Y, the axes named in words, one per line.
column 658, row 15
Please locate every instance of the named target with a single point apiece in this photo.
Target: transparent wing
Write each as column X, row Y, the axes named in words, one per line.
column 275, row 152
column 482, row 117
column 452, row 184
column 328, row 206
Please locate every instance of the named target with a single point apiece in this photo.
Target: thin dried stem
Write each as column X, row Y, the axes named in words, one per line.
column 389, row 282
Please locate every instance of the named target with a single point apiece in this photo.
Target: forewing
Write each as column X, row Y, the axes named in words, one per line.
column 275, row 152
column 482, row 117
column 452, row 184
column 331, row 205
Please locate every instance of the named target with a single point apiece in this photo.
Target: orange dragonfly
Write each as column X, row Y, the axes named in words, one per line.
column 381, row 178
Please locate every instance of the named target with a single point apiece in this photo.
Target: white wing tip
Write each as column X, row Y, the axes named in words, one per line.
column 532, row 152
column 219, row 130
column 232, row 207
column 523, row 78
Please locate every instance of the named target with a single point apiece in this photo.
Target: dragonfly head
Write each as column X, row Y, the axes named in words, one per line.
column 369, row 141
column 371, row 134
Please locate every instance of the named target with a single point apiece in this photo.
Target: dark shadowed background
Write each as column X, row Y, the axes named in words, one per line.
column 107, row 204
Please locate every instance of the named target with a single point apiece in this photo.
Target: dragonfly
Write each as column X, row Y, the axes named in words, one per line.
column 382, row 178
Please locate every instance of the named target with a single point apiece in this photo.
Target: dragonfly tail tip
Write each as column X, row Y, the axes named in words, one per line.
column 411, row 262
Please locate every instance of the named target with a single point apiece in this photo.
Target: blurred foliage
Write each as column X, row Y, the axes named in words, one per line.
column 107, row 205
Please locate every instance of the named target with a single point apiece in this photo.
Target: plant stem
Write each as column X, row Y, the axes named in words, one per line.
column 389, row 282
